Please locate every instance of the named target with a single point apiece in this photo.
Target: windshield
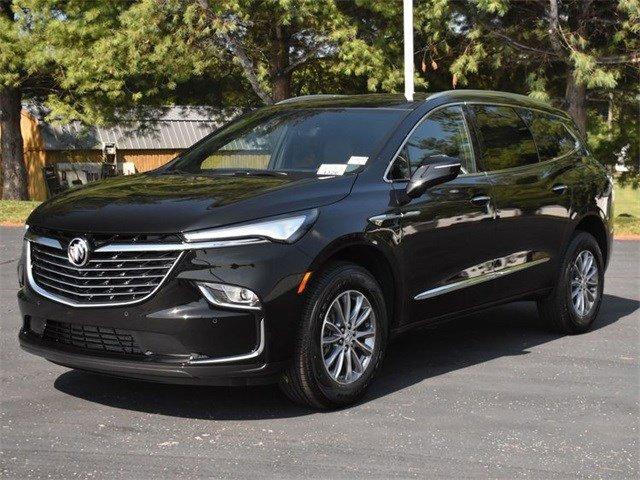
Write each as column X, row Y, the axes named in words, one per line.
column 322, row 141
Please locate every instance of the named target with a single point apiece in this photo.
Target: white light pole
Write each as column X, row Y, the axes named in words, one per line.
column 408, row 48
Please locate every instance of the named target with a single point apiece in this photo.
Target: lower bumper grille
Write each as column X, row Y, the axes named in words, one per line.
column 90, row 337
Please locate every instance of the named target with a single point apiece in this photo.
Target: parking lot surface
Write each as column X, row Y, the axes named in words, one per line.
column 491, row 395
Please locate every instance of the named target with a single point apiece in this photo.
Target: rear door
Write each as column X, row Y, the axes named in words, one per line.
column 532, row 198
column 447, row 233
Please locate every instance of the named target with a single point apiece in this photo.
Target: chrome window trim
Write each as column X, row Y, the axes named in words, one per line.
column 236, row 358
column 434, row 292
column 501, row 104
column 474, row 163
column 531, row 165
column 413, row 129
column 560, row 157
column 65, row 301
column 479, row 102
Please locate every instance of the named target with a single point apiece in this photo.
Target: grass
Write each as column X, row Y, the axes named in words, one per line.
column 627, row 211
column 627, row 201
column 16, row 211
column 626, row 222
column 626, row 226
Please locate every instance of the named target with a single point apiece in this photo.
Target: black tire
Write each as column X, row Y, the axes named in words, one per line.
column 557, row 309
column 306, row 381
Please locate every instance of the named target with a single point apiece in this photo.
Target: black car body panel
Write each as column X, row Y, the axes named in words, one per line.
column 484, row 238
column 162, row 203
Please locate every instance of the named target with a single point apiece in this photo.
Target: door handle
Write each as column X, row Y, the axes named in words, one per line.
column 559, row 188
column 481, row 199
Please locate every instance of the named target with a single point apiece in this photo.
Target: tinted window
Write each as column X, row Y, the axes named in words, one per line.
column 292, row 140
column 505, row 139
column 442, row 133
column 551, row 136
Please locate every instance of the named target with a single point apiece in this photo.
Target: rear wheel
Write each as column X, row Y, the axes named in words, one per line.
column 341, row 341
column 574, row 303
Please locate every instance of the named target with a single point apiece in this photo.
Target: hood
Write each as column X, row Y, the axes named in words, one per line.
column 161, row 203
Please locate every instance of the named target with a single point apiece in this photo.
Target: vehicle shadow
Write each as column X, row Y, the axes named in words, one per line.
column 507, row 330
column 504, row 331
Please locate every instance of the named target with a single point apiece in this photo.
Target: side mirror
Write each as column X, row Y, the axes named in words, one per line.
column 433, row 171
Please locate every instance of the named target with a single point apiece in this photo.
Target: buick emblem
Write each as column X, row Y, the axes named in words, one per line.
column 78, row 252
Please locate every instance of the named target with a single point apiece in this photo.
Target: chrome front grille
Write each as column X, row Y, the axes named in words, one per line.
column 108, row 278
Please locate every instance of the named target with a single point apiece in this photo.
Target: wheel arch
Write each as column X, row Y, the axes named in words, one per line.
column 379, row 262
column 596, row 226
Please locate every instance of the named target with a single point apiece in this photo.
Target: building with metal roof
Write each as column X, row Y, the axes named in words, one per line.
column 140, row 146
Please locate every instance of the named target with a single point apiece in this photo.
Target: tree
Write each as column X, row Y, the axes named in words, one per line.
column 582, row 43
column 375, row 50
column 30, row 69
column 15, row 70
column 270, row 41
column 107, row 62
column 99, row 63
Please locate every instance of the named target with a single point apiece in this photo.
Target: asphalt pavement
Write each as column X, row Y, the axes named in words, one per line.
column 491, row 395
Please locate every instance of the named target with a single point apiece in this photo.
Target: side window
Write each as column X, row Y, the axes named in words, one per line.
column 442, row 133
column 505, row 139
column 550, row 133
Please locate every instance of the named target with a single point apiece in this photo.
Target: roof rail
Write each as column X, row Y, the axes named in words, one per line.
column 320, row 96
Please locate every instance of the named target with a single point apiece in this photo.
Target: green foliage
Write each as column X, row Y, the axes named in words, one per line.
column 583, row 44
column 102, row 62
column 617, row 142
column 377, row 50
column 105, row 61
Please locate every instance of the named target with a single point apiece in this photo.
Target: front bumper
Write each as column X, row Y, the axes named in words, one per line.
column 166, row 371
column 178, row 336
column 168, row 350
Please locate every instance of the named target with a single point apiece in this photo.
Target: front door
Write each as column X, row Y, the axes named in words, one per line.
column 447, row 233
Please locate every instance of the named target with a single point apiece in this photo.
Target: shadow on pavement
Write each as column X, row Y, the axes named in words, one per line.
column 508, row 330
column 504, row 331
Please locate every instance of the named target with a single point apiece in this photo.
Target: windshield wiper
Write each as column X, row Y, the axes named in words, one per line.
column 232, row 172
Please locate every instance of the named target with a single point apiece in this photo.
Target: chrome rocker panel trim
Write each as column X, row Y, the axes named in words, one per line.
column 451, row 287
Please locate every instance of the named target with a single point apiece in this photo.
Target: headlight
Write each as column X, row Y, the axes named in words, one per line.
column 231, row 296
column 280, row 229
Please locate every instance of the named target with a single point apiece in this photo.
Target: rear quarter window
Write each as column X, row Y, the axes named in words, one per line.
column 550, row 133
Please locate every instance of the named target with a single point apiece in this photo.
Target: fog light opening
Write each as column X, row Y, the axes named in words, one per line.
column 229, row 296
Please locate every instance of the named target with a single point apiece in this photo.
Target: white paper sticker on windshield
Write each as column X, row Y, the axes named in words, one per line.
column 332, row 169
column 358, row 160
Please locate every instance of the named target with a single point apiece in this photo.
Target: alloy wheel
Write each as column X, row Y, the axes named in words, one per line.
column 348, row 336
column 584, row 283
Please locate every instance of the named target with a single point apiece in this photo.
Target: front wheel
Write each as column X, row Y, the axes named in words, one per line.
column 341, row 340
column 574, row 303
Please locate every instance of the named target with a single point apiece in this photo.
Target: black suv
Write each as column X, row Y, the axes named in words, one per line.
column 290, row 244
